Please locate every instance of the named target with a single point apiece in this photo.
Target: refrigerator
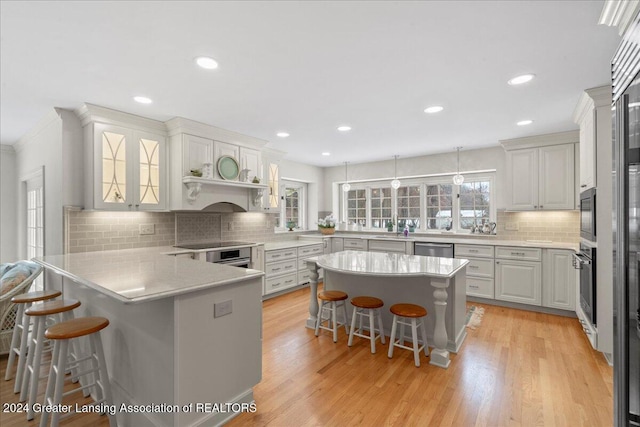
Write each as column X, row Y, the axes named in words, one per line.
column 626, row 254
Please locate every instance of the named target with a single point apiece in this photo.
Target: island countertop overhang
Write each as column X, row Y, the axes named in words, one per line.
column 389, row 264
column 146, row 274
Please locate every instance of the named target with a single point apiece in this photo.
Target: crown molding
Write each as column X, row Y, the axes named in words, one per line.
column 89, row 113
column 52, row 116
column 619, row 13
column 6, row 148
column 597, row 97
column 179, row 125
column 569, row 137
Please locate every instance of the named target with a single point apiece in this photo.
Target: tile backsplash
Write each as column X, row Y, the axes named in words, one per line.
column 557, row 226
column 90, row 231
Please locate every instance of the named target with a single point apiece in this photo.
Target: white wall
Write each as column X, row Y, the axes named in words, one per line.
column 55, row 144
column 470, row 160
column 312, row 175
column 8, row 207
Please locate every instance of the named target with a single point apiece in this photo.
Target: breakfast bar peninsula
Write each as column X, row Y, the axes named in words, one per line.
column 438, row 284
column 184, row 342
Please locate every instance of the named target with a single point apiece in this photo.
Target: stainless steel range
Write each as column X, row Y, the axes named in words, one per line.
column 236, row 254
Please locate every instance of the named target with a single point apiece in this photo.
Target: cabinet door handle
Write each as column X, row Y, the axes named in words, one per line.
column 583, row 185
column 288, row 266
column 288, row 281
column 473, row 266
column 497, row 262
column 276, row 269
column 473, row 250
column 535, row 206
column 541, row 206
column 474, row 286
column 276, row 256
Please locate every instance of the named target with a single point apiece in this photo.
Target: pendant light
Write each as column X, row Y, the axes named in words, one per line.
column 395, row 184
column 457, row 178
column 346, row 186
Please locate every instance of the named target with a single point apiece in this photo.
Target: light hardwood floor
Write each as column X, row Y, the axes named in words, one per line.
column 518, row 368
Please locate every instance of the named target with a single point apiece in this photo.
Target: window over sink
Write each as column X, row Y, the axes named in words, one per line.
column 423, row 204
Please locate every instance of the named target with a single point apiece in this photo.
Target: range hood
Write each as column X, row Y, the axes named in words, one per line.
column 208, row 195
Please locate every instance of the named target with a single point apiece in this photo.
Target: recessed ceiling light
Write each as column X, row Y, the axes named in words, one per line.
column 142, row 99
column 326, row 153
column 344, row 128
column 524, row 122
column 207, row 63
column 433, row 109
column 282, row 134
column 518, row 80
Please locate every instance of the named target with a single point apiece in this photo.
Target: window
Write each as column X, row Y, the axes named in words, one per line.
column 380, row 207
column 429, row 203
column 439, row 203
column 357, row 207
column 409, row 206
column 293, row 210
column 35, row 222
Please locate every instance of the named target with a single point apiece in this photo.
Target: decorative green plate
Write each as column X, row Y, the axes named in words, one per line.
column 228, row 168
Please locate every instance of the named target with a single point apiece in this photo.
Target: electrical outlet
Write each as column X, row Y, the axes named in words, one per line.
column 222, row 308
column 147, row 229
column 512, row 226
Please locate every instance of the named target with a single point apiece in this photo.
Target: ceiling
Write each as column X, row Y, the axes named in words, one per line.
column 308, row 67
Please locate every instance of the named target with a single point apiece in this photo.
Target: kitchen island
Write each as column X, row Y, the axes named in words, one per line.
column 438, row 284
column 183, row 333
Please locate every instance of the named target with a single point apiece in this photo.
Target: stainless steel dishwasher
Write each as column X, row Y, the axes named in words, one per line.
column 443, row 250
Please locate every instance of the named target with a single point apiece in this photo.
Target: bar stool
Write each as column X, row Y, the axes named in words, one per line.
column 61, row 333
column 330, row 300
column 367, row 306
column 40, row 312
column 21, row 328
column 402, row 313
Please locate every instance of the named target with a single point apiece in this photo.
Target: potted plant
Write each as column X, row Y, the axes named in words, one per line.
column 291, row 225
column 327, row 225
column 390, row 224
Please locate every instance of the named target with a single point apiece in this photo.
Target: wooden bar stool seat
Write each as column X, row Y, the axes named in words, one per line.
column 409, row 315
column 39, row 312
column 367, row 306
column 330, row 301
column 61, row 334
column 21, row 332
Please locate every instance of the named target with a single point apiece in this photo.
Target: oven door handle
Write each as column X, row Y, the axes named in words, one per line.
column 579, row 260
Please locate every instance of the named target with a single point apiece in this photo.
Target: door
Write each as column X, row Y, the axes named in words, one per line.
column 522, row 179
column 556, row 177
column 559, row 285
column 518, row 281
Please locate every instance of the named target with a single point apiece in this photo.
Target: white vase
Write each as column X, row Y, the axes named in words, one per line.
column 207, row 170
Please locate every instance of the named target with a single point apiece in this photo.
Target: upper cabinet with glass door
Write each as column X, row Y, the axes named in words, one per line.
column 129, row 171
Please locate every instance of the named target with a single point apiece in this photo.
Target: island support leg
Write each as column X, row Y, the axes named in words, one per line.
column 439, row 354
column 313, row 295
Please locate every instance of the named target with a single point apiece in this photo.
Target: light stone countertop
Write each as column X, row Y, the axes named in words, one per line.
column 272, row 246
column 453, row 238
column 144, row 274
column 389, row 264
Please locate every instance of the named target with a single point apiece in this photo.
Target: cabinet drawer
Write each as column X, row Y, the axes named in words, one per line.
column 523, row 254
column 387, row 246
column 479, row 267
column 307, row 251
column 304, row 276
column 280, row 254
column 278, row 268
column 477, row 251
column 276, row 284
column 355, row 244
column 480, row 287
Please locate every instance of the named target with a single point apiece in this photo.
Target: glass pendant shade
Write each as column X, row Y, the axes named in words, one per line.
column 346, row 186
column 457, row 178
column 395, row 183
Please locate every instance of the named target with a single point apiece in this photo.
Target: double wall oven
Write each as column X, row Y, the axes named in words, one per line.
column 236, row 254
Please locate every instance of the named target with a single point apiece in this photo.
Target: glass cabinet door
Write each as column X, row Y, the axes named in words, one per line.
column 149, row 164
column 114, row 167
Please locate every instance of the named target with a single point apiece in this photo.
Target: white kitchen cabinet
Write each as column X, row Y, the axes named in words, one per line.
column 518, row 274
column 541, row 172
column 480, row 270
column 280, row 269
column 587, row 152
column 337, row 244
column 271, row 169
column 518, row 281
column 129, row 168
column 355, row 244
column 195, row 152
column 304, row 252
column 558, row 287
column 252, row 160
column 393, row 246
